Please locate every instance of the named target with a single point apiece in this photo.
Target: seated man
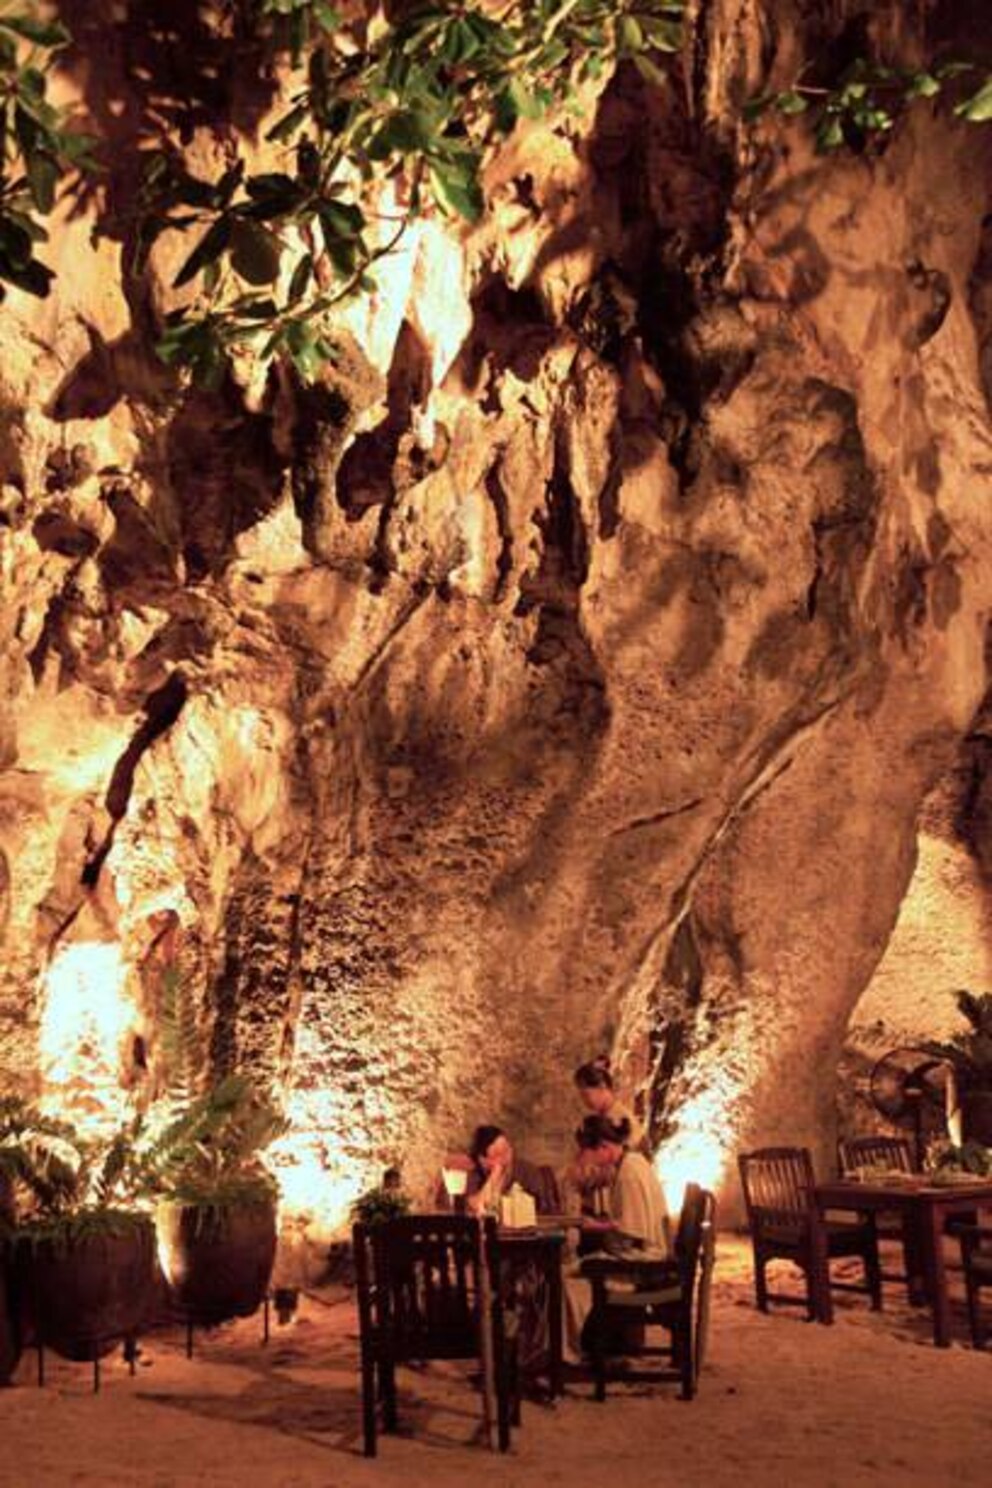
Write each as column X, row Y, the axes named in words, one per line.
column 496, row 1167
column 636, row 1215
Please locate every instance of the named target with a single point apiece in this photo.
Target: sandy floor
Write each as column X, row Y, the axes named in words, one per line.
column 781, row 1401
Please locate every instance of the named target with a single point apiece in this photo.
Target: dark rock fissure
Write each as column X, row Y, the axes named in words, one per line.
column 162, row 709
column 501, row 507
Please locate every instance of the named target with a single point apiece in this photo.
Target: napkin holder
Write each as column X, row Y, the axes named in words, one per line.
column 517, row 1210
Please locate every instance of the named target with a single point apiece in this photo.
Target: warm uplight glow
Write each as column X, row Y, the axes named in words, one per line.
column 310, row 1189
column 320, row 1164
column 86, row 1017
column 701, row 1148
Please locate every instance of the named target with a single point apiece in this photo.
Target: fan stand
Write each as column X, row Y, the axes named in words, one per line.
column 914, row 1101
column 914, row 1093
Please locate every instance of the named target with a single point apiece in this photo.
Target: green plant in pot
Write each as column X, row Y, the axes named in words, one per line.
column 216, row 1211
column 81, row 1256
column 385, row 1201
column 969, row 1053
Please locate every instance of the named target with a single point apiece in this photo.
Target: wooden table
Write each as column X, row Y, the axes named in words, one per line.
column 542, row 1247
column 926, row 1206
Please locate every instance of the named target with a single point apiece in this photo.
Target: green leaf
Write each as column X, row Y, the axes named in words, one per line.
column 207, row 251
column 341, row 225
column 406, row 132
column 830, row 134
column 43, row 33
column 664, row 35
column 300, row 281
column 326, row 16
column 228, row 184
column 460, row 43
column 78, row 148
column 27, row 130
column 953, row 69
column 650, row 71
column 523, row 100
column 33, row 277
column 923, row 85
column 456, row 191
column 343, row 219
column 272, row 195
column 34, row 230
column 303, row 348
column 287, row 126
column 43, row 176
column 790, row 103
column 255, row 252
column 16, row 241
column 978, row 108
column 256, row 309
column 630, row 37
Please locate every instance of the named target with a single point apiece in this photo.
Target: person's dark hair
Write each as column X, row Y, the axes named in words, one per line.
column 595, row 1074
column 596, row 1130
column 482, row 1139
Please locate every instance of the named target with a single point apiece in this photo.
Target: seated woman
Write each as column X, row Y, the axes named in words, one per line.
column 636, row 1215
column 594, row 1082
column 635, row 1203
column 497, row 1167
column 585, row 1184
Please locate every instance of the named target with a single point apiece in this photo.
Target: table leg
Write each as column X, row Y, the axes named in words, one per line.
column 932, row 1227
column 552, row 1266
column 913, row 1250
column 819, row 1276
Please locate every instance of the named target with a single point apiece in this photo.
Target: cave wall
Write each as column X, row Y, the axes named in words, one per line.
column 567, row 670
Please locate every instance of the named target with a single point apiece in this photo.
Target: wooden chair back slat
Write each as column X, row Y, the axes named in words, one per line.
column 778, row 1187
column 875, row 1151
column 422, row 1294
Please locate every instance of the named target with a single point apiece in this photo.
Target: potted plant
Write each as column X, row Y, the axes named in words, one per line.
column 945, row 1159
column 216, row 1211
column 383, row 1202
column 969, row 1053
column 81, row 1267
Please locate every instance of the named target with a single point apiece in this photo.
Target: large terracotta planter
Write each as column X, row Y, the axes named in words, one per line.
column 81, row 1293
column 976, row 1116
column 217, row 1258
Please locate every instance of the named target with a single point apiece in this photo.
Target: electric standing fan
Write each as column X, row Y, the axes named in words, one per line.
column 909, row 1088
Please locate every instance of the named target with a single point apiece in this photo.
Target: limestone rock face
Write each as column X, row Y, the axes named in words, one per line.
column 566, row 670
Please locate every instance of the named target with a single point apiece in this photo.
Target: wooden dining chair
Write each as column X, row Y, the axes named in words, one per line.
column 428, row 1289
column 778, row 1185
column 976, row 1258
column 875, row 1151
column 894, row 1154
column 630, row 1292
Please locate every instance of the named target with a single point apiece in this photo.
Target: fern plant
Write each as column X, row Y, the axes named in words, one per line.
column 210, row 1151
column 183, row 1052
column 59, row 1184
column 970, row 1051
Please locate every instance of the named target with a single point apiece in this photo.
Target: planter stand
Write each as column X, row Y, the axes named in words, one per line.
column 130, row 1354
column 191, row 1320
